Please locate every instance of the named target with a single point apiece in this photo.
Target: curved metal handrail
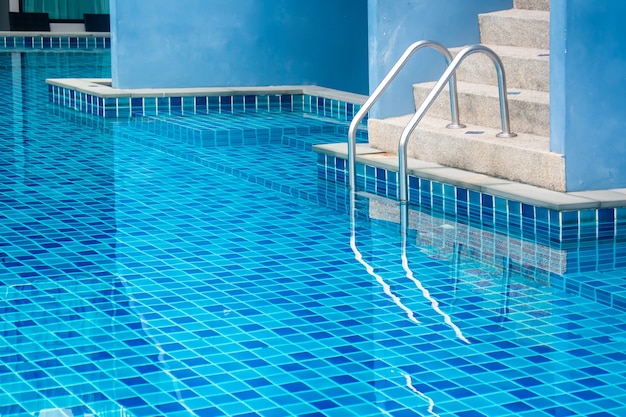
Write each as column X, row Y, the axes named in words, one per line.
column 358, row 118
column 434, row 93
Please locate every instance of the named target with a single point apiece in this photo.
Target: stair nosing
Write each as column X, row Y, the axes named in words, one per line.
column 526, row 14
column 469, row 88
column 505, row 51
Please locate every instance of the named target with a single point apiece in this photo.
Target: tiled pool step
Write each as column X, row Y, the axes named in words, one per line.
column 310, row 101
column 286, row 163
column 517, row 209
column 242, row 129
column 567, row 250
column 96, row 96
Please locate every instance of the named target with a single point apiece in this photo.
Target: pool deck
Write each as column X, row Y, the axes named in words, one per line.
column 569, row 201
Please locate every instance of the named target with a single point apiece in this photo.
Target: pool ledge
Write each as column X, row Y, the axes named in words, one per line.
column 529, row 194
column 102, row 87
column 96, row 96
column 37, row 40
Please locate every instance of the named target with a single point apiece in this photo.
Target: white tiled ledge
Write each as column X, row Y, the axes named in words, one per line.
column 55, row 34
column 102, row 87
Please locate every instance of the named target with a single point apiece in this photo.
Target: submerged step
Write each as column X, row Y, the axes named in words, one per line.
column 211, row 131
column 516, row 27
column 479, row 104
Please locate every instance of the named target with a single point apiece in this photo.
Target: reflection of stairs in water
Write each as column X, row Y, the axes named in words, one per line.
column 532, row 260
column 520, row 37
column 578, row 269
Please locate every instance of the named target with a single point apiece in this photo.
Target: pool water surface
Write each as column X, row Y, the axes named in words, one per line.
column 144, row 275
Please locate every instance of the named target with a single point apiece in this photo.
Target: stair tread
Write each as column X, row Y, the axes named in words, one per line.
column 521, row 141
column 524, row 158
column 491, row 91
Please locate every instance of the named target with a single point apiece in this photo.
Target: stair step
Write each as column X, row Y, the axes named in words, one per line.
column 525, row 158
column 525, row 68
column 529, row 111
column 543, row 5
column 516, row 27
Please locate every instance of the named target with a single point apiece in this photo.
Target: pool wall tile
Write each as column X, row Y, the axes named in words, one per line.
column 55, row 42
column 150, row 106
column 508, row 216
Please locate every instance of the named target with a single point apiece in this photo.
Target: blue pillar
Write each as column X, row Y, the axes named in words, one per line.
column 217, row 43
column 588, row 91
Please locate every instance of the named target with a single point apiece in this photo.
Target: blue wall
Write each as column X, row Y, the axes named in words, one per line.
column 588, row 91
column 394, row 25
column 205, row 43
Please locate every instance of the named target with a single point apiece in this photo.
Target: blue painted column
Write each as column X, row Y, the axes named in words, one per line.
column 217, row 43
column 588, row 91
column 394, row 25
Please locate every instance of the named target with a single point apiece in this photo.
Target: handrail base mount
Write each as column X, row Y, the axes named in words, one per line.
column 506, row 135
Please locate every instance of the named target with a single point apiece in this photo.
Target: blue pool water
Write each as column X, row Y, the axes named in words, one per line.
column 144, row 274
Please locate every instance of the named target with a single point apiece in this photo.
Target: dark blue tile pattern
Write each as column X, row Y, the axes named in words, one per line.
column 139, row 282
column 54, row 41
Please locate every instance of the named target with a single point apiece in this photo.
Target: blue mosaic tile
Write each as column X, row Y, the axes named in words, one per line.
column 147, row 273
column 151, row 106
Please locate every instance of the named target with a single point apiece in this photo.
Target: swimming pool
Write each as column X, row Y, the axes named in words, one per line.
column 144, row 275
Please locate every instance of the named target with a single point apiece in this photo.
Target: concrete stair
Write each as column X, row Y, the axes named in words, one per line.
column 516, row 27
column 529, row 110
column 543, row 5
column 526, row 68
column 520, row 37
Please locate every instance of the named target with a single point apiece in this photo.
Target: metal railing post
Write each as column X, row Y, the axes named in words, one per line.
column 391, row 75
column 434, row 93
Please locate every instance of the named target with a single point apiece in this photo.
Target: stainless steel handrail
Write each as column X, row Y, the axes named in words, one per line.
column 434, row 93
column 358, row 118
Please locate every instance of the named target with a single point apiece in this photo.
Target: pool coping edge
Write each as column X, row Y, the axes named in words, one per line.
column 498, row 187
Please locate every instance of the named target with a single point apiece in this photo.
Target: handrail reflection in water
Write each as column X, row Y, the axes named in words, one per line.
column 380, row 89
column 370, row 270
column 404, row 213
column 431, row 403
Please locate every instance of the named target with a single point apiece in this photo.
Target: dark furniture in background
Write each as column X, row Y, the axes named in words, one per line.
column 97, row 22
column 29, row 22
